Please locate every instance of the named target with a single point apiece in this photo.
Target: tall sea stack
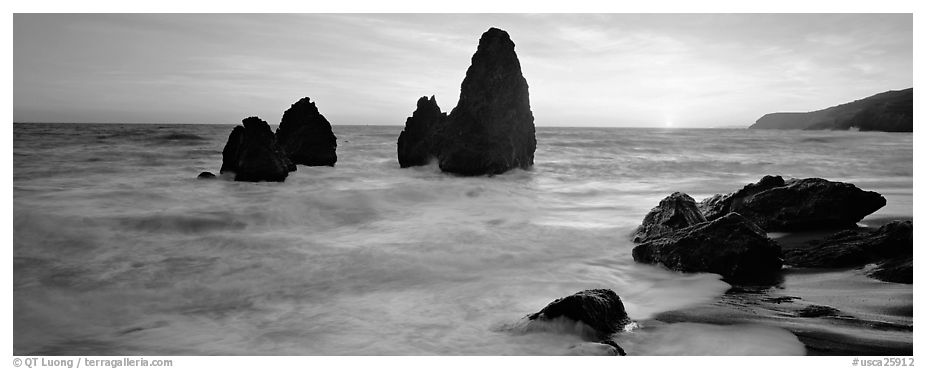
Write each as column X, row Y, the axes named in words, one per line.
column 252, row 154
column 305, row 135
column 491, row 130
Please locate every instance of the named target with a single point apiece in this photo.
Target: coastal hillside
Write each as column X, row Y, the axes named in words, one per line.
column 890, row 111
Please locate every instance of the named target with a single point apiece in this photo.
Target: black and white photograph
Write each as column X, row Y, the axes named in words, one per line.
column 461, row 184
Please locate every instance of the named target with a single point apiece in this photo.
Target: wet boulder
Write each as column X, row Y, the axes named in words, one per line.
column 889, row 247
column 674, row 212
column 775, row 204
column 731, row 246
column 252, row 155
column 415, row 145
column 600, row 309
column 722, row 204
column 305, row 135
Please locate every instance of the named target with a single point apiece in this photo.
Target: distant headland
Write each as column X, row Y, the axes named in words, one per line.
column 890, row 111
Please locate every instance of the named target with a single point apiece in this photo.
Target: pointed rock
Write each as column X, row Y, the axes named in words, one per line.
column 415, row 141
column 252, row 154
column 674, row 212
column 305, row 135
column 491, row 130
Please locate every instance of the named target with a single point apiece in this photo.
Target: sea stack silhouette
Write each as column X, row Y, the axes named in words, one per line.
column 415, row 141
column 490, row 131
column 305, row 135
column 252, row 154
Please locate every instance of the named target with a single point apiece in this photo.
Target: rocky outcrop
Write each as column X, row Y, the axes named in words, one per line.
column 600, row 309
column 305, row 135
column 775, row 204
column 890, row 111
column 673, row 213
column 722, row 204
column 897, row 270
column 890, row 247
column 491, row 130
column 252, row 154
column 415, row 145
column 731, row 246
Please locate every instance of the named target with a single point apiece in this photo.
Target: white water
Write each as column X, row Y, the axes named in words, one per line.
column 118, row 249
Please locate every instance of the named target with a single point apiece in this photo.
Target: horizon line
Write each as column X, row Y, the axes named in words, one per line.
column 397, row 125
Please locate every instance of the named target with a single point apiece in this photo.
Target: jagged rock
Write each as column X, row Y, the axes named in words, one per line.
column 491, row 130
column 674, row 212
column 890, row 246
column 600, row 309
column 731, row 246
column 415, row 141
column 305, row 135
column 722, row 204
column 897, row 270
column 775, row 204
column 206, row 175
column 252, row 154
column 816, row 311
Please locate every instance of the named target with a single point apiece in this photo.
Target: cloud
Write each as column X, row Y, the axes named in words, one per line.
column 583, row 69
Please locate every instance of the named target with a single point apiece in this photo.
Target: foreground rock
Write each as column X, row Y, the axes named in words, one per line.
column 415, row 142
column 491, row 130
column 600, row 309
column 890, row 111
column 305, row 135
column 890, row 247
column 673, row 213
column 731, row 246
column 775, row 204
column 251, row 154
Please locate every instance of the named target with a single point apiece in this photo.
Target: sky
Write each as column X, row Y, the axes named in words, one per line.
column 640, row 70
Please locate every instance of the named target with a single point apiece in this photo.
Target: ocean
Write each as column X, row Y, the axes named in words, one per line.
column 119, row 250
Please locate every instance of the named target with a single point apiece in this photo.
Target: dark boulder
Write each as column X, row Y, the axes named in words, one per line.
column 491, row 130
column 816, row 311
column 775, row 204
column 305, row 135
column 722, row 204
column 731, row 246
column 897, row 270
column 415, row 141
column 252, row 154
column 206, row 175
column 890, row 247
column 674, row 212
column 600, row 309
